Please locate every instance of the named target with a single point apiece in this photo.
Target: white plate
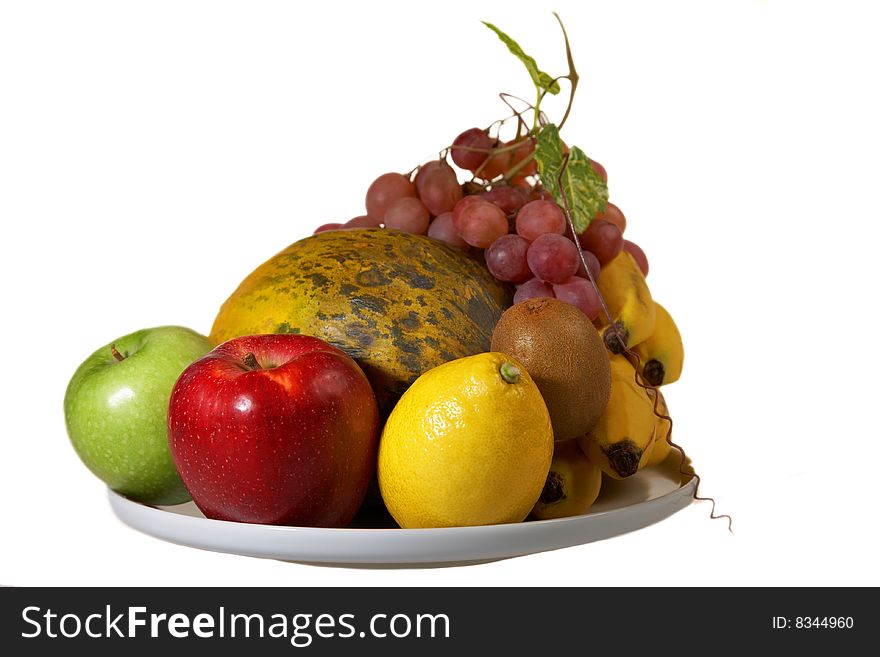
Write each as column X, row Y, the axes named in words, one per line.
column 623, row 506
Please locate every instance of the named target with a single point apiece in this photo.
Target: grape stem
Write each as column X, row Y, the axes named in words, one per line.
column 521, row 124
column 511, row 174
column 685, row 468
column 522, row 129
column 519, row 115
column 496, row 151
column 540, row 97
column 652, row 390
column 577, row 243
column 572, row 76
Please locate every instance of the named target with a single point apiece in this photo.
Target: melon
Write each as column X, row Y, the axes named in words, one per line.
column 399, row 304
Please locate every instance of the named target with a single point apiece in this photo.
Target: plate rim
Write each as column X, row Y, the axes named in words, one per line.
column 394, row 545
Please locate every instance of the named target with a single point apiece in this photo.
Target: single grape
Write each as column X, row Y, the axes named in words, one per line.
column 386, row 189
column 407, row 214
column 603, row 239
column 495, row 165
column 592, row 263
column 325, row 227
column 536, row 218
column 466, row 201
column 581, row 294
column 541, row 194
column 636, row 252
column 479, row 223
column 439, row 189
column 598, row 168
column 426, row 170
column 532, row 289
column 443, row 229
column 506, row 259
column 509, row 199
column 363, row 221
column 469, row 188
column 612, row 214
column 525, row 150
column 471, row 147
column 553, row 258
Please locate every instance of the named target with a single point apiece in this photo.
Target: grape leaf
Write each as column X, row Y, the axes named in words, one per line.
column 542, row 80
column 585, row 191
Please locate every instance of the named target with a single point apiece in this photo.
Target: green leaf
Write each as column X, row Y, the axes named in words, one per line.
column 541, row 79
column 585, row 192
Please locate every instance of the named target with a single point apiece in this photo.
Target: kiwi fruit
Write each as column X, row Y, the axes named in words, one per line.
column 564, row 354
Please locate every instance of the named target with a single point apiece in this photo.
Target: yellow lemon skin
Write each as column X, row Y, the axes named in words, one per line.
column 464, row 446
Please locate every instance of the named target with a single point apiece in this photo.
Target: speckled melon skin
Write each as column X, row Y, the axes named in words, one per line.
column 399, row 304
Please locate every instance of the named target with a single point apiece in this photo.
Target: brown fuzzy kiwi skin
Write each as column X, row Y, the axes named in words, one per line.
column 564, row 354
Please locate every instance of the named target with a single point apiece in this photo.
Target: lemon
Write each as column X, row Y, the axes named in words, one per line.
column 470, row 443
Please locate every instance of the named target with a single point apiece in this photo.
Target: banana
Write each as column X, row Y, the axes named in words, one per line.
column 618, row 442
column 629, row 302
column 572, row 484
column 662, row 354
column 660, row 448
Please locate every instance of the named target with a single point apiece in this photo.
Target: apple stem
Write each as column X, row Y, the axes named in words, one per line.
column 116, row 353
column 251, row 363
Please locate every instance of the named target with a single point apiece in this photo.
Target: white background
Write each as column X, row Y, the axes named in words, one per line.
column 152, row 154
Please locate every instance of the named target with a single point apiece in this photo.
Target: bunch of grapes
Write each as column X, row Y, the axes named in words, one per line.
column 506, row 213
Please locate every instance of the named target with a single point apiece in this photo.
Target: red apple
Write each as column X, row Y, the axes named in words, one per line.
column 275, row 429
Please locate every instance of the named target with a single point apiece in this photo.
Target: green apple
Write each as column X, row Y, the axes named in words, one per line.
column 116, row 410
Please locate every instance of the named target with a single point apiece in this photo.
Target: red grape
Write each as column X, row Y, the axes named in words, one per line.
column 506, row 259
column 465, row 202
column 531, row 289
column 612, row 214
column 386, row 189
column 553, row 258
column 443, row 229
column 603, row 238
column 407, row 214
column 439, row 190
column 364, row 221
column 536, row 218
column 508, row 198
column 581, row 294
column 326, row 227
column 496, row 165
column 541, row 194
column 470, row 148
column 520, row 154
column 592, row 263
column 479, row 223
column 598, row 168
column 426, row 170
column 638, row 255
column 509, row 156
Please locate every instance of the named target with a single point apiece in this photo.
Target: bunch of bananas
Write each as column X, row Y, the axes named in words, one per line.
column 630, row 435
